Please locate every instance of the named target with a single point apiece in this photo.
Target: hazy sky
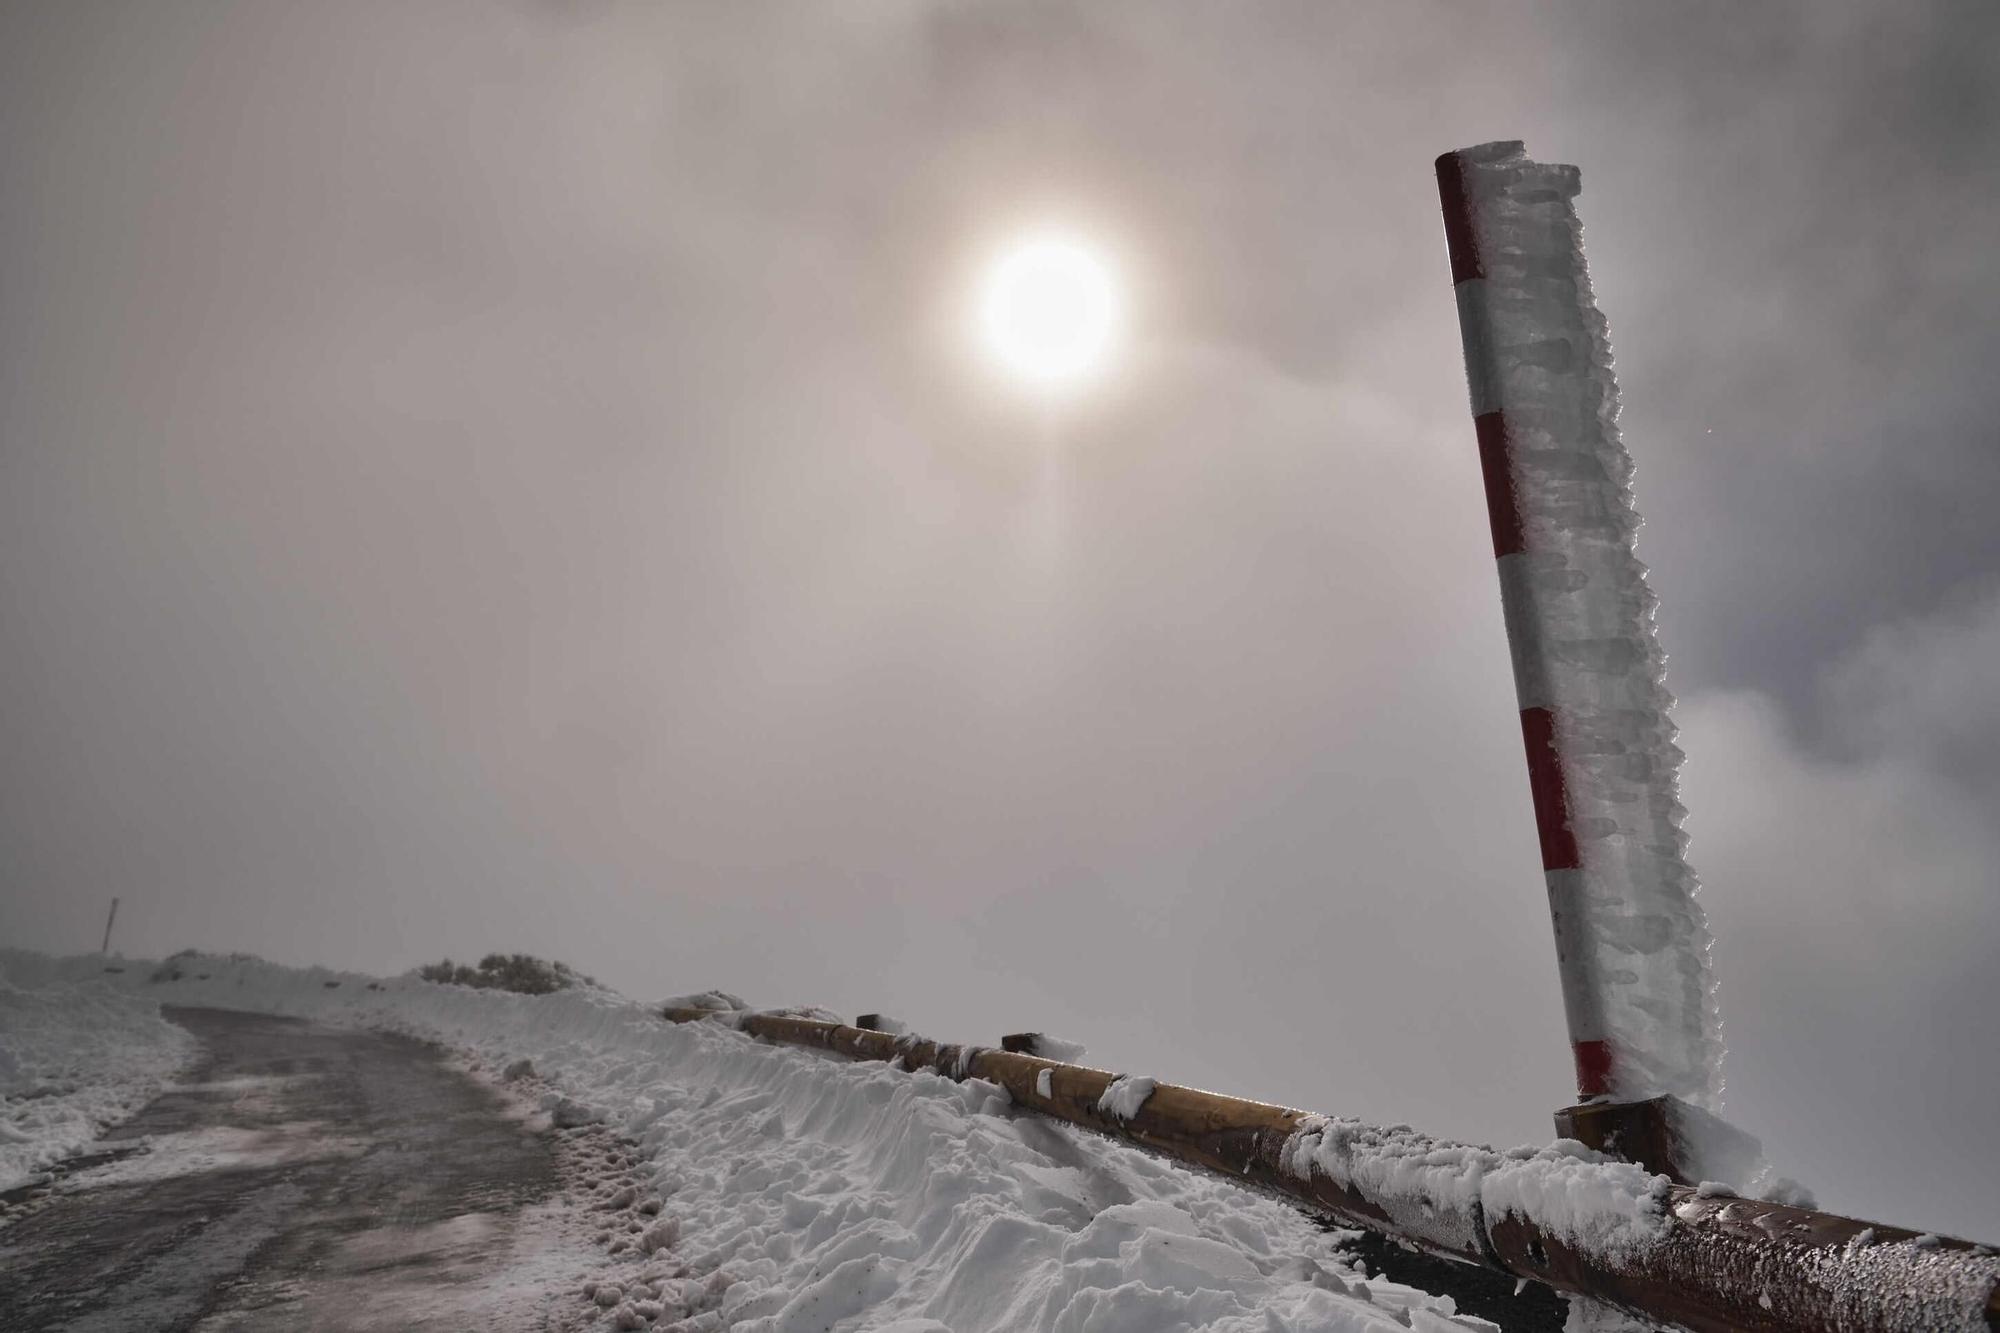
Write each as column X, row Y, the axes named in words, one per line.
column 498, row 476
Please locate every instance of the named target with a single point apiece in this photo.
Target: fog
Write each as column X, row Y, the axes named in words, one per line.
column 488, row 476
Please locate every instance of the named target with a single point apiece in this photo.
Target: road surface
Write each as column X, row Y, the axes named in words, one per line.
column 303, row 1178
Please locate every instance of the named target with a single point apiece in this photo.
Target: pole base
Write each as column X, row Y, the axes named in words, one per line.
column 1642, row 1132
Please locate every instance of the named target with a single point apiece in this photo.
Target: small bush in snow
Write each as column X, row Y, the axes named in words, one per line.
column 521, row 973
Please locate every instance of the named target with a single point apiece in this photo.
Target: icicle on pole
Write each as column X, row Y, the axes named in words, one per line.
column 1631, row 942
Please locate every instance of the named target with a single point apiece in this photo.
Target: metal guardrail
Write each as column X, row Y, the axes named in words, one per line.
column 1720, row 1265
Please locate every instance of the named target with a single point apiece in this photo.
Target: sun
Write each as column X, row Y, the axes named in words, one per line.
column 1049, row 310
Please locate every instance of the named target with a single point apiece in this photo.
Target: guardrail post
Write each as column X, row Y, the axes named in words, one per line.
column 1639, row 1132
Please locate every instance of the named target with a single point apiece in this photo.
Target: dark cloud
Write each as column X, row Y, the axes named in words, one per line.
column 484, row 477
column 1789, row 212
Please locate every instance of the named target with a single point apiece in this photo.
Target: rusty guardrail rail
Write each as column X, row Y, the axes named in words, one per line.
column 1719, row 1265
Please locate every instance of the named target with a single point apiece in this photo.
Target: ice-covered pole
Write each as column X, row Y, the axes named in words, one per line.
column 1631, row 942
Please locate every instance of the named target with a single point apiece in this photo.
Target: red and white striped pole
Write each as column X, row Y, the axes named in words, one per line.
column 1631, row 944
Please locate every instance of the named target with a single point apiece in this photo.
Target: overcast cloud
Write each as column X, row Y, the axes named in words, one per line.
column 495, row 476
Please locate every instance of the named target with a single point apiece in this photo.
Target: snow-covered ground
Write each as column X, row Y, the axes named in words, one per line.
column 798, row 1191
column 78, row 1052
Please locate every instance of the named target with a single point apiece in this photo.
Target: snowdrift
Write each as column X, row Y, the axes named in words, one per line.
column 823, row 1193
column 76, row 1055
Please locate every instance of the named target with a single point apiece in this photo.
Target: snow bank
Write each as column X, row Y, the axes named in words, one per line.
column 76, row 1055
column 802, row 1191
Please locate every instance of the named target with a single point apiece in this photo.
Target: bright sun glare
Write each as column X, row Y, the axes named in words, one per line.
column 1049, row 310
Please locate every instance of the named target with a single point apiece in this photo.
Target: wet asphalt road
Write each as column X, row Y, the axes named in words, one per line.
column 300, row 1178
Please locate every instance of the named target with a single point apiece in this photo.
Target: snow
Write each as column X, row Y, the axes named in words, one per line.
column 1580, row 616
column 1055, row 1048
column 801, row 1191
column 712, row 1001
column 1447, row 1192
column 75, row 1056
column 222, row 1147
column 1587, row 1316
column 1125, row 1096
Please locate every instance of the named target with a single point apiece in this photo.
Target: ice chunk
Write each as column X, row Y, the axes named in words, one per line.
column 1125, row 1096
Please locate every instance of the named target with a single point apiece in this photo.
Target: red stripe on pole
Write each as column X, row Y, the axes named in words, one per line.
column 1502, row 509
column 1545, row 781
column 1593, row 1067
column 1459, row 239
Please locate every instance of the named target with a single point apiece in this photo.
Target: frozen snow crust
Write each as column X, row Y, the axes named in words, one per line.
column 1580, row 618
column 75, row 1056
column 828, row 1193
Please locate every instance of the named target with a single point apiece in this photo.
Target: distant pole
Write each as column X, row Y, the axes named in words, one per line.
column 109, row 918
column 1631, row 942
